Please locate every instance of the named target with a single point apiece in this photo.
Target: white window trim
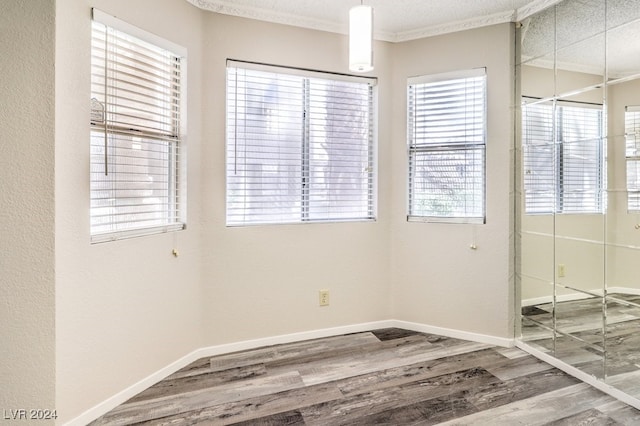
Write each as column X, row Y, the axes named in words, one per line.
column 120, row 25
column 557, row 208
column 181, row 52
column 309, row 73
column 432, row 78
column 301, row 72
column 635, row 208
column 451, row 75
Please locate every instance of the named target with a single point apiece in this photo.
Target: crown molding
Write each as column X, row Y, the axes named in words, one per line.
column 227, row 7
column 533, row 8
column 564, row 66
column 452, row 27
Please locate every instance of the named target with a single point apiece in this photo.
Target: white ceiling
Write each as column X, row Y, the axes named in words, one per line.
column 394, row 20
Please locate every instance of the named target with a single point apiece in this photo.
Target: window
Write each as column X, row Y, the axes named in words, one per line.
column 299, row 146
column 136, row 85
column 632, row 139
column 563, row 158
column 446, row 143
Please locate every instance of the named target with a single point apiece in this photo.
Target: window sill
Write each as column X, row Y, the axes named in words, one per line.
column 435, row 219
column 133, row 233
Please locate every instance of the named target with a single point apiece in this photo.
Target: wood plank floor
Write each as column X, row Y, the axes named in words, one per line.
column 382, row 377
column 611, row 353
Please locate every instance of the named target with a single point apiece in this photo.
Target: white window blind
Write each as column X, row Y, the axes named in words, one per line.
column 563, row 158
column 539, row 157
column 632, row 139
column 135, row 134
column 446, row 142
column 299, row 147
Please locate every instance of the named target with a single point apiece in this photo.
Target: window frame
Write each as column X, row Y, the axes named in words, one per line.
column 633, row 203
column 303, row 214
column 556, row 113
column 161, row 135
column 448, row 147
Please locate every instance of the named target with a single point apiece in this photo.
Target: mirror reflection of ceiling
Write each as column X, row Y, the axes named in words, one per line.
column 394, row 20
column 619, row 18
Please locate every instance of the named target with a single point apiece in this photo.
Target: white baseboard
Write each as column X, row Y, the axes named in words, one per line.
column 578, row 296
column 111, row 403
column 121, row 397
column 623, row 290
column 560, row 298
column 290, row 338
column 448, row 332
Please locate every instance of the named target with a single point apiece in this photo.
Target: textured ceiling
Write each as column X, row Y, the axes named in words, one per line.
column 402, row 20
column 394, row 20
column 591, row 36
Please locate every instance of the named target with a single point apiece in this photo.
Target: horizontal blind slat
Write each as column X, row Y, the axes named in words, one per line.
column 632, row 152
column 563, row 159
column 137, row 87
column 446, row 132
column 298, row 148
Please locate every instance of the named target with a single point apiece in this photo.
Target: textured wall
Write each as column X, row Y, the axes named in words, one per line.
column 27, row 366
column 437, row 279
column 124, row 309
column 263, row 280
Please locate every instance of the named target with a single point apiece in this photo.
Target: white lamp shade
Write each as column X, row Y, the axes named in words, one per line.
column 361, row 38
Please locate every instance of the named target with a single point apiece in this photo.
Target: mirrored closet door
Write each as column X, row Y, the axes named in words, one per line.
column 578, row 187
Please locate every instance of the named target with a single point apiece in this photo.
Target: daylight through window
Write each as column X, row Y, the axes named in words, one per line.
column 446, row 142
column 135, row 134
column 563, row 158
column 632, row 139
column 299, row 146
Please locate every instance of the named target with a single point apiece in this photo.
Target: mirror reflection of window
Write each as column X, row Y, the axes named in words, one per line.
column 564, row 165
column 632, row 142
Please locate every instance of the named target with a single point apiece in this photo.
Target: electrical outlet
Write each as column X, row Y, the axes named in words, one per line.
column 561, row 270
column 323, row 297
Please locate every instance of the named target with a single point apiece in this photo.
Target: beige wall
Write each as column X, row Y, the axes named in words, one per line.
column 264, row 280
column 124, row 310
column 27, row 337
column 436, row 278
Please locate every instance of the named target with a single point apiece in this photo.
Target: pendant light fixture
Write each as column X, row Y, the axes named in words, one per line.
column 361, row 38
